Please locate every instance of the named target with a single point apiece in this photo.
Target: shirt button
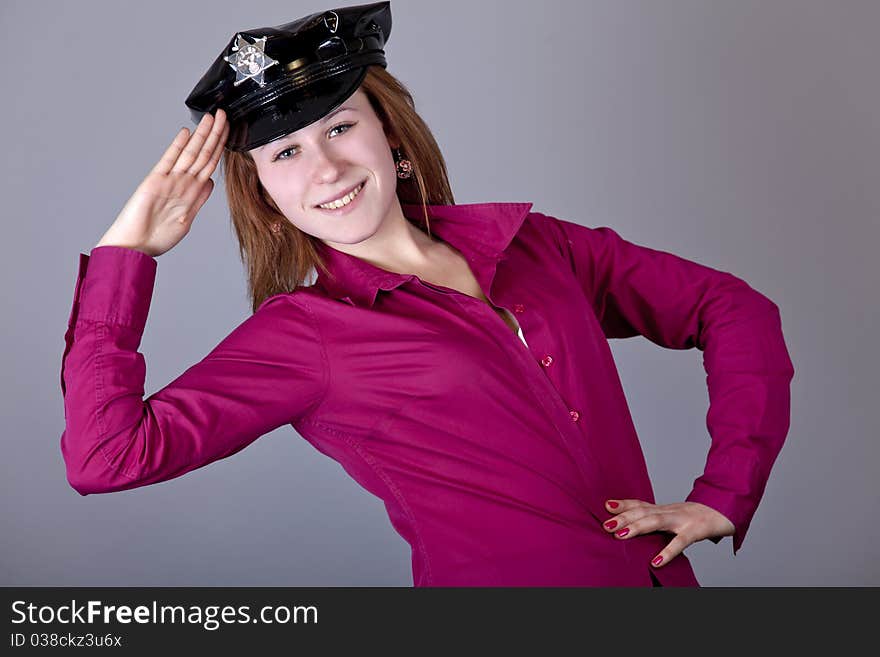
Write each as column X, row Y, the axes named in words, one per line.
column 518, row 308
column 574, row 415
column 546, row 360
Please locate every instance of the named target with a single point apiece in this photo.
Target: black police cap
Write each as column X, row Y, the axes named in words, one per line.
column 272, row 81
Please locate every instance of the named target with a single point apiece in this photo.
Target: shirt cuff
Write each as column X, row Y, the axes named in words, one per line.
column 728, row 503
column 114, row 286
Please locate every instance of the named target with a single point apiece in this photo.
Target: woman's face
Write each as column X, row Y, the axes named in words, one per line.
column 325, row 161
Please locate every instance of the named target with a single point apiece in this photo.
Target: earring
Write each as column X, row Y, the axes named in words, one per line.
column 276, row 227
column 404, row 167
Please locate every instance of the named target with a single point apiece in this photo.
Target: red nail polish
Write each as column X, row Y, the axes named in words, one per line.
column 623, row 532
column 657, row 560
column 611, row 524
column 613, row 505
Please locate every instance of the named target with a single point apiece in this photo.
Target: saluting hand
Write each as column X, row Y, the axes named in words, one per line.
column 161, row 211
column 689, row 521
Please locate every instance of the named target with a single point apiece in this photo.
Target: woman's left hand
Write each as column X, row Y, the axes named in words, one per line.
column 689, row 521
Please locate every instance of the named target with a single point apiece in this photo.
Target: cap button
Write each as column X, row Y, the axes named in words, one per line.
column 331, row 20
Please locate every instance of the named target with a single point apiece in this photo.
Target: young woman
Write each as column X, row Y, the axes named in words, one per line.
column 453, row 359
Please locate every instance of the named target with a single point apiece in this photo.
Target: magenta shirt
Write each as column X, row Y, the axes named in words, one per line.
column 493, row 457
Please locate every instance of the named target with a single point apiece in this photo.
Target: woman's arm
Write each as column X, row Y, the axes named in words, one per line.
column 680, row 304
column 269, row 371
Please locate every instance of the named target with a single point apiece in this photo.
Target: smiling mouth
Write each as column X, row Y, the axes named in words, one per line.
column 344, row 200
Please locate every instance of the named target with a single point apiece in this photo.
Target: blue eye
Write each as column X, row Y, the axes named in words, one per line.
column 342, row 125
column 336, row 127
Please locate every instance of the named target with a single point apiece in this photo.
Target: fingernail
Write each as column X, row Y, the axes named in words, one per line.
column 657, row 560
column 623, row 532
column 611, row 524
column 612, row 504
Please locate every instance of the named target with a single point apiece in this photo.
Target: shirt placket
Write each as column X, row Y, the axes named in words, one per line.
column 569, row 423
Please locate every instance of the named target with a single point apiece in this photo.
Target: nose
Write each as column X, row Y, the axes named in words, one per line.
column 326, row 166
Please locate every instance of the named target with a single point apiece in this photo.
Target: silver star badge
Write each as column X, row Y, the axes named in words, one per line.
column 249, row 60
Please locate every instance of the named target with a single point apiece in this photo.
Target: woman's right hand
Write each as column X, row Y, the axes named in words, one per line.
column 161, row 211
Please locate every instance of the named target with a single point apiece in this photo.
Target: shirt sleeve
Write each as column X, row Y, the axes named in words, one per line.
column 680, row 304
column 268, row 372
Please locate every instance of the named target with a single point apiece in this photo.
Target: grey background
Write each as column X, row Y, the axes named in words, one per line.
column 740, row 134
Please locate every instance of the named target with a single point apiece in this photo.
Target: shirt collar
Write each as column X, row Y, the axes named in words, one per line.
column 480, row 231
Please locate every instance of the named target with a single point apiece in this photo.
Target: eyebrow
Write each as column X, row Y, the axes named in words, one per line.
column 335, row 112
column 320, row 121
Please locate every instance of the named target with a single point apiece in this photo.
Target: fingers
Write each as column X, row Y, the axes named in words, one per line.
column 635, row 517
column 199, row 153
column 675, row 547
column 192, row 148
column 168, row 159
column 215, row 138
column 686, row 522
column 621, row 506
column 206, row 172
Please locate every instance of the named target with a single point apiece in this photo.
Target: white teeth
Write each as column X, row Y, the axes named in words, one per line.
column 345, row 200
